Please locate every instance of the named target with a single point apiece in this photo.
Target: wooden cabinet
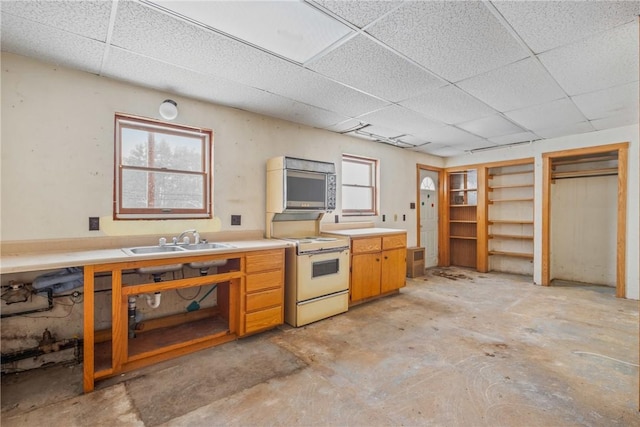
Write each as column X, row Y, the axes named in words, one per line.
column 263, row 304
column 510, row 217
column 378, row 265
column 250, row 299
column 462, row 200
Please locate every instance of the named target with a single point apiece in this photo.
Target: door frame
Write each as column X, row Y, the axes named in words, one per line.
column 621, row 239
column 441, row 212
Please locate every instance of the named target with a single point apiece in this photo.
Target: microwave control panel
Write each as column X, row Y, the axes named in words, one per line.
column 332, row 187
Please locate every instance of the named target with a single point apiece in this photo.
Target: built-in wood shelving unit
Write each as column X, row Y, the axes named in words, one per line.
column 462, row 214
column 509, row 224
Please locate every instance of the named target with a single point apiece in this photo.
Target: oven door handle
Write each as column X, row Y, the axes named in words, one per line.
column 335, row 294
column 324, row 251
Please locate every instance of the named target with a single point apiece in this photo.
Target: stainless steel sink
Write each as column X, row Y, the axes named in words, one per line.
column 205, row 246
column 207, row 264
column 143, row 250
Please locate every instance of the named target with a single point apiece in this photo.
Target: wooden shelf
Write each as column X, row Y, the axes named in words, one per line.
column 511, row 200
column 462, row 221
column 510, row 236
column 512, row 254
column 463, row 237
column 495, row 187
column 463, row 206
column 509, row 173
column 453, row 190
column 509, row 221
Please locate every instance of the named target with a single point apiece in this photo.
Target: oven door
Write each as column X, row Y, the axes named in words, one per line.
column 321, row 274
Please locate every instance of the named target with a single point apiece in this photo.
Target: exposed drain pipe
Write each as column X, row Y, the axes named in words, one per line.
column 156, row 300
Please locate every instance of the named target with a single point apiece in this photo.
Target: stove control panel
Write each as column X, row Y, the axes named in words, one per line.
column 332, row 188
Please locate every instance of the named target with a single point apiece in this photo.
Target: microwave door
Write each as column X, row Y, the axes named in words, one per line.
column 305, row 190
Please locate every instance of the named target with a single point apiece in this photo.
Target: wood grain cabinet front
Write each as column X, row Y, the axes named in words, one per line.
column 378, row 266
column 262, row 305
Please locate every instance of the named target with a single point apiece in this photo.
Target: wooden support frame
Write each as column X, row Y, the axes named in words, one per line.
column 621, row 233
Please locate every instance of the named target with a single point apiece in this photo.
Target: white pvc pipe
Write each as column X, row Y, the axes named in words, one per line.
column 156, row 300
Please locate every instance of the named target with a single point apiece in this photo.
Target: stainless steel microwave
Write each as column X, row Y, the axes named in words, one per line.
column 300, row 185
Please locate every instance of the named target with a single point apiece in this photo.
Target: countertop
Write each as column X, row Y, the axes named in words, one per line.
column 53, row 260
column 365, row 232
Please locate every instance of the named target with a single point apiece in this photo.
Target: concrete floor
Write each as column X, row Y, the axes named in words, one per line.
column 455, row 348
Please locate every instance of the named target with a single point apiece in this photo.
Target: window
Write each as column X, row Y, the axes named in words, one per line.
column 162, row 171
column 428, row 184
column 359, row 185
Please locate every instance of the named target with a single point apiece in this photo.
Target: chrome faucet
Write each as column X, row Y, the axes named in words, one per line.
column 183, row 239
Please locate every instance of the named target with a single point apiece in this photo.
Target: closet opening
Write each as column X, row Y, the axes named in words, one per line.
column 584, row 216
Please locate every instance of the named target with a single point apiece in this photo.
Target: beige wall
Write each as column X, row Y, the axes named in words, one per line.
column 583, row 229
column 57, row 156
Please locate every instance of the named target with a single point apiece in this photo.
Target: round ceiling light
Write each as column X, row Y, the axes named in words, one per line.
column 169, row 109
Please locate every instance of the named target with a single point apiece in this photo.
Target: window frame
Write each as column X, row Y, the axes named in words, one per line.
column 375, row 185
column 122, row 121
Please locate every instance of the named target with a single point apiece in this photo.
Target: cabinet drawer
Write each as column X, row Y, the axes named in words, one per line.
column 260, row 300
column 396, row 241
column 262, row 281
column 372, row 244
column 263, row 319
column 265, row 260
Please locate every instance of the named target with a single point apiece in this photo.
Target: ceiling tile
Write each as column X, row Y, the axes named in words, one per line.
column 402, row 120
column 449, row 105
column 544, row 25
column 440, row 150
column 491, row 126
column 618, row 120
column 290, row 29
column 521, row 84
column 146, row 31
column 514, row 138
column 456, row 39
column 172, row 79
column 46, row 43
column 359, row 13
column 366, row 65
column 448, row 135
column 565, row 129
column 610, row 59
column 545, row 116
column 84, row 18
column 609, row 102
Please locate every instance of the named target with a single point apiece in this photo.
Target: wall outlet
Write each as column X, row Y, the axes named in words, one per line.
column 384, row 218
column 94, row 223
column 236, row 219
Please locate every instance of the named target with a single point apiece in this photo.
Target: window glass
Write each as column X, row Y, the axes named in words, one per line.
column 162, row 170
column 359, row 185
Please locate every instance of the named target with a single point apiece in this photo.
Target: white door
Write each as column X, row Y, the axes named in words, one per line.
column 429, row 216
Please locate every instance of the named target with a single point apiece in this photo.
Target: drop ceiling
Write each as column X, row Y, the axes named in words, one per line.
column 439, row 77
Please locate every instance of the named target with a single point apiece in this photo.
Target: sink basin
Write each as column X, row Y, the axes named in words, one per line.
column 158, row 269
column 207, row 264
column 204, row 246
column 152, row 250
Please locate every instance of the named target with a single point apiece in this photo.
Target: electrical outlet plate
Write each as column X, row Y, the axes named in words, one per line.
column 236, row 219
column 94, row 223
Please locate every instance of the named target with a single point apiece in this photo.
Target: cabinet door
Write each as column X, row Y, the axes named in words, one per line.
column 394, row 264
column 365, row 276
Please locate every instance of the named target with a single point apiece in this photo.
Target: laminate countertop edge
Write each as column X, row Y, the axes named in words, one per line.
column 19, row 263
